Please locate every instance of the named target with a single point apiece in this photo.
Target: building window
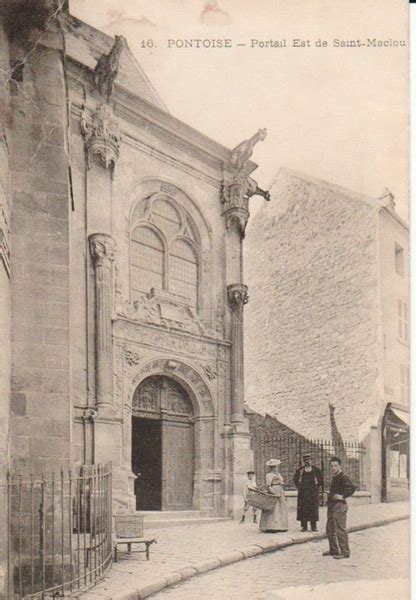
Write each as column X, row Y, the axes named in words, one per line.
column 147, row 260
column 399, row 259
column 403, row 320
column 183, row 272
column 164, row 250
column 404, row 385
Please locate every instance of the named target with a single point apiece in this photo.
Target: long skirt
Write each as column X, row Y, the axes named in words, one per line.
column 276, row 519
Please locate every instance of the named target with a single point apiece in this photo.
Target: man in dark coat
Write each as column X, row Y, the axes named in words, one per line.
column 308, row 480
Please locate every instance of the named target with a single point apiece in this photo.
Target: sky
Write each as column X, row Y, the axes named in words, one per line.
column 336, row 113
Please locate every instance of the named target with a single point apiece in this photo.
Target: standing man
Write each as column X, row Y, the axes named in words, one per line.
column 308, row 480
column 249, row 484
column 336, row 526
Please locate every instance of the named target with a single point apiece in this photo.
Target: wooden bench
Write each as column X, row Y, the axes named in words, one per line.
column 129, row 531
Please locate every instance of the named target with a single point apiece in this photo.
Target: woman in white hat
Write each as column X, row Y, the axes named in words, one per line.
column 276, row 519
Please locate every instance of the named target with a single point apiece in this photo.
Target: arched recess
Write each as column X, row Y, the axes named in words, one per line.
column 175, row 428
column 167, row 208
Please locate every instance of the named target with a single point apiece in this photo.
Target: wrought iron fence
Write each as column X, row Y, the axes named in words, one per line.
column 290, row 449
column 59, row 532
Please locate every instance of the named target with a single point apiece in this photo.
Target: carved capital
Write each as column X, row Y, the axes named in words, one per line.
column 102, row 248
column 237, row 296
column 102, row 136
column 234, row 197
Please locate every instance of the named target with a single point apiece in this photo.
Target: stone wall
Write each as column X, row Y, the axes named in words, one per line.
column 40, row 405
column 313, row 336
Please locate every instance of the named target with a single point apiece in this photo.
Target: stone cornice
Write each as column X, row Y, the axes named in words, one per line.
column 140, row 112
column 147, row 148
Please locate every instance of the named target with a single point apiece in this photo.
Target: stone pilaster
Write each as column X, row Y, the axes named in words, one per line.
column 237, row 297
column 102, row 247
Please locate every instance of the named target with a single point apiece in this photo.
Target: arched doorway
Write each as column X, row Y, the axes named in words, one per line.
column 162, row 445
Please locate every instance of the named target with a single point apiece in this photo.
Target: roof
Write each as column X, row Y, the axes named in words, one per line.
column 85, row 45
column 371, row 201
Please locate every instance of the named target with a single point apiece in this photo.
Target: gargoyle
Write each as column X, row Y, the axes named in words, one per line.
column 106, row 69
column 242, row 153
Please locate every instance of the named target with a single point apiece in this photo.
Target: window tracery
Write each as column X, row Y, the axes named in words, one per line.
column 164, row 250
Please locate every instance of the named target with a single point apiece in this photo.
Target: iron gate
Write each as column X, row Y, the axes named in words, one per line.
column 59, row 532
column 289, row 449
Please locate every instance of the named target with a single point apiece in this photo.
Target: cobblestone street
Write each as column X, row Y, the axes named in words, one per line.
column 378, row 553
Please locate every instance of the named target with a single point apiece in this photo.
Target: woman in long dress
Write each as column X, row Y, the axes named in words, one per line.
column 276, row 519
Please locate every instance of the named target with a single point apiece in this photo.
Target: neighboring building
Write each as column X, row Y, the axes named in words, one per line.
column 126, row 285
column 327, row 326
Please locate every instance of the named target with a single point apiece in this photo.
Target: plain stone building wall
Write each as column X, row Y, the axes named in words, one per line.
column 313, row 331
column 40, row 407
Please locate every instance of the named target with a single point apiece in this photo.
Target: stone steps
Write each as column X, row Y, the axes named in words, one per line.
column 158, row 519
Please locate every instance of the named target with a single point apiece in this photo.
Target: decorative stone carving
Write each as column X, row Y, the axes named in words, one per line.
column 210, row 372
column 182, row 371
column 237, row 187
column 156, row 309
column 175, row 399
column 242, row 153
column 131, row 357
column 182, row 344
column 146, row 397
column 237, row 296
column 102, row 247
column 102, row 136
column 106, row 69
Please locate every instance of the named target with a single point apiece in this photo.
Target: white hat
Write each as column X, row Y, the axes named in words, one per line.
column 273, row 462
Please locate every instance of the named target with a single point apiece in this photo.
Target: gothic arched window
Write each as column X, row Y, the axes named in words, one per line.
column 164, row 250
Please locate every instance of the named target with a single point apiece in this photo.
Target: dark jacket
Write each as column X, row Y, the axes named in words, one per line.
column 341, row 484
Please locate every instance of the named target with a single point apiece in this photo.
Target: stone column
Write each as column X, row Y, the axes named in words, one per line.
column 237, row 297
column 102, row 247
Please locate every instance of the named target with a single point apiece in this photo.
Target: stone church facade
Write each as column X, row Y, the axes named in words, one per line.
column 327, row 336
column 121, row 274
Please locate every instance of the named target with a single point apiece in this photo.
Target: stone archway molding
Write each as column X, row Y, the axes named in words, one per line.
column 186, row 375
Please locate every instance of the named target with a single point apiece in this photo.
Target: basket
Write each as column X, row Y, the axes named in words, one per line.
column 261, row 500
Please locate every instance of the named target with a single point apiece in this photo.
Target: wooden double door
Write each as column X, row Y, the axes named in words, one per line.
column 162, row 445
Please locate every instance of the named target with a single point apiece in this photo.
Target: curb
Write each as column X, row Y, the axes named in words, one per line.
column 236, row 556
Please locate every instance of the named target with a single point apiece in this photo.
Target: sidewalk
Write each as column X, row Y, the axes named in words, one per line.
column 183, row 552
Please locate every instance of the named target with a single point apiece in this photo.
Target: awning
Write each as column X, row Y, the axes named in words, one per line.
column 401, row 414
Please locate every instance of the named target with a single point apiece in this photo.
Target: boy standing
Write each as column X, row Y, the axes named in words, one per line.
column 336, row 527
column 249, row 484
